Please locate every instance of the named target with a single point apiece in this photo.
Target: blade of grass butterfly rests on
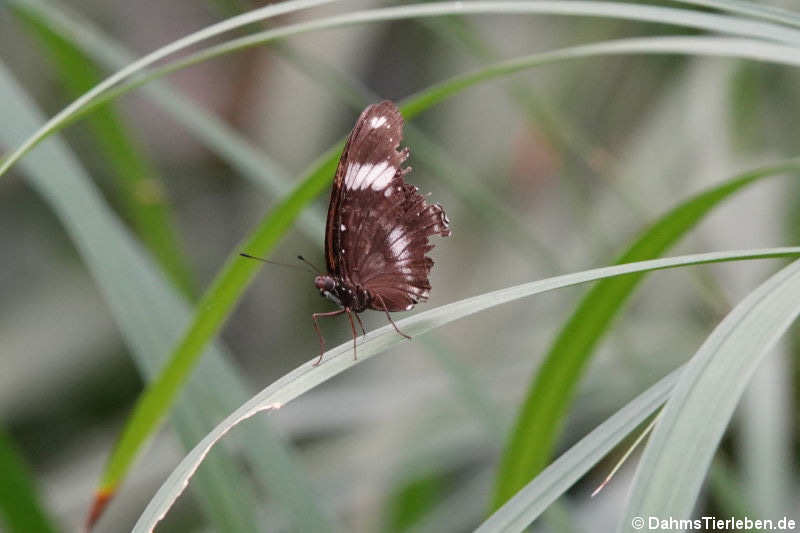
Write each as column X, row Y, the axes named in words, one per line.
column 151, row 314
column 679, row 17
column 536, row 496
column 138, row 185
column 541, row 416
column 679, row 452
column 217, row 302
column 220, row 138
column 339, row 359
column 20, row 506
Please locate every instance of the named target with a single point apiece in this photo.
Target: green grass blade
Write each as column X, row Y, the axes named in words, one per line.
column 541, row 416
column 532, row 500
column 137, row 182
column 20, row 508
column 678, row 454
column 229, row 284
column 679, row 17
column 151, row 315
column 339, row 359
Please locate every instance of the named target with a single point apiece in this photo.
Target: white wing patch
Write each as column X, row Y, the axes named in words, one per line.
column 399, row 242
column 376, row 176
column 377, row 122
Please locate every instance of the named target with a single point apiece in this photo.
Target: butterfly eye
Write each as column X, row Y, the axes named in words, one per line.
column 324, row 283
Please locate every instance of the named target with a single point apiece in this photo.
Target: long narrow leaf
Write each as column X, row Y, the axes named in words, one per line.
column 339, row 359
column 733, row 26
column 20, row 508
column 541, row 416
column 678, row 454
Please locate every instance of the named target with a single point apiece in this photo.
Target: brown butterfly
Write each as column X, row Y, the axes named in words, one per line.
column 377, row 230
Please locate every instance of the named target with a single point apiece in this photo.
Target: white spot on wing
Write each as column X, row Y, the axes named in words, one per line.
column 343, row 227
column 395, row 234
column 358, row 179
column 400, row 245
column 383, row 179
column 372, row 170
column 377, row 122
column 377, row 176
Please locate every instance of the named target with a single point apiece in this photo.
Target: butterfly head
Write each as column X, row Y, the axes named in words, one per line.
column 327, row 287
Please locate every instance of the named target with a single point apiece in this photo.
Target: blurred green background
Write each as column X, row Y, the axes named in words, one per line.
column 550, row 171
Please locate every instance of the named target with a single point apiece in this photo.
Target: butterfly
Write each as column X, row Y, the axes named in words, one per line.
column 377, row 229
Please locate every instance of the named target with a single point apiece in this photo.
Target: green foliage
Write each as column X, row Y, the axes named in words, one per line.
column 545, row 407
column 20, row 508
column 412, row 500
column 173, row 343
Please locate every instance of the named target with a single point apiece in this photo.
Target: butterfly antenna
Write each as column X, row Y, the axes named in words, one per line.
column 267, row 261
column 309, row 263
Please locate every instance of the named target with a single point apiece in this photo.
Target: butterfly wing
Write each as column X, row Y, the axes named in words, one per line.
column 378, row 226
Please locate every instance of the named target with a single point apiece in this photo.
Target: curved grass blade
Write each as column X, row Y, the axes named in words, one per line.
column 137, row 182
column 720, row 24
column 151, row 315
column 532, row 500
column 680, row 450
column 679, row 17
column 219, row 28
column 699, row 46
column 339, row 359
column 217, row 303
column 541, row 416
column 20, row 509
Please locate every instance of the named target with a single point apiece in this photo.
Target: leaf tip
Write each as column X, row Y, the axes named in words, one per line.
column 101, row 499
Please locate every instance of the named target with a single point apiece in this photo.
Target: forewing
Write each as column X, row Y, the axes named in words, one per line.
column 369, row 163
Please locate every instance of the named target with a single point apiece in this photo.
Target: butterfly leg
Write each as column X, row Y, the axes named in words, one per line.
column 385, row 310
column 314, row 316
column 353, row 327
column 364, row 331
